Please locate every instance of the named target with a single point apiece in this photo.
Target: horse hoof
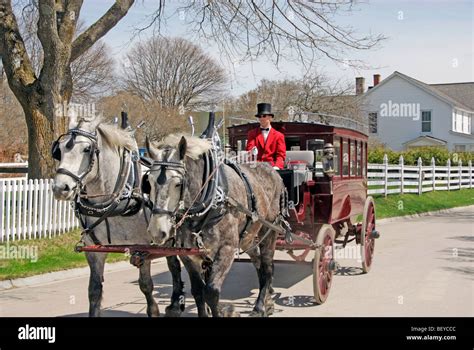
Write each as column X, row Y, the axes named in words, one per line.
column 171, row 311
column 153, row 311
column 270, row 309
column 256, row 313
column 229, row 311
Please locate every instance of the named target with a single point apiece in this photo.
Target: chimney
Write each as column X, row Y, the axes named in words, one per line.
column 376, row 79
column 360, row 85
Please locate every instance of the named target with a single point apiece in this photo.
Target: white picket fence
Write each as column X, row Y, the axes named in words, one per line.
column 388, row 179
column 28, row 210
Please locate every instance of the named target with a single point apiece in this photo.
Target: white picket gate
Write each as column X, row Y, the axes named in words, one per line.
column 28, row 210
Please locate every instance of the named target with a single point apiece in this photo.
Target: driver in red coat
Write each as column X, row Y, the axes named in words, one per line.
column 265, row 140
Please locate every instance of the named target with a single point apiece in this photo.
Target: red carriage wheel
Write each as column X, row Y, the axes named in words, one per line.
column 323, row 263
column 368, row 234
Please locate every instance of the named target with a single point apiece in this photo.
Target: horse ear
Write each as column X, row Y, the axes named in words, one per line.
column 152, row 152
column 183, row 145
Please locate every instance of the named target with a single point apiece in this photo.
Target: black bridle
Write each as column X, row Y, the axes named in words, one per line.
column 163, row 167
column 94, row 152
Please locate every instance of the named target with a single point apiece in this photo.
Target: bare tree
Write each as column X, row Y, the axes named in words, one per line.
column 92, row 75
column 174, row 73
column 12, row 124
column 40, row 93
column 314, row 92
column 159, row 121
column 279, row 29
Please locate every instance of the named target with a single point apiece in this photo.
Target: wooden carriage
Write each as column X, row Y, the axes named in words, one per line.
column 324, row 201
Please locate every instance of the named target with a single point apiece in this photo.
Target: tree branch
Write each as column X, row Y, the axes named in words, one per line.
column 13, row 53
column 96, row 31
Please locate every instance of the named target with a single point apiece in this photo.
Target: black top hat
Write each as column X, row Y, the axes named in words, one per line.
column 264, row 109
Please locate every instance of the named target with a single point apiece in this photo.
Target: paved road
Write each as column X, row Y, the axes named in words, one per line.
column 423, row 267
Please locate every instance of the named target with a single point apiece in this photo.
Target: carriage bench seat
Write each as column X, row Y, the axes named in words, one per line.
column 305, row 156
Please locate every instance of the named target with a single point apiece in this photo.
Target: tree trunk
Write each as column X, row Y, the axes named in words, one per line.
column 40, row 134
column 46, row 120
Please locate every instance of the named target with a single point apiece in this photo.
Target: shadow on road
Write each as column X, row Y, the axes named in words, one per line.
column 349, row 271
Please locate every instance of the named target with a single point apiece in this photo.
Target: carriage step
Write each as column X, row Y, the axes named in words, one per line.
column 375, row 234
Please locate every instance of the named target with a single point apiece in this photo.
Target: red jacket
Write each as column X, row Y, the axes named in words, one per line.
column 273, row 151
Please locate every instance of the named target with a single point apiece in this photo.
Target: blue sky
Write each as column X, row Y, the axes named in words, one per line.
column 430, row 40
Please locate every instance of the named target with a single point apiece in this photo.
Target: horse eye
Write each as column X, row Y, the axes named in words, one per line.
column 87, row 150
column 178, row 185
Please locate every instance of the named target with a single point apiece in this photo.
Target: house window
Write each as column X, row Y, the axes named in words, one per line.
column 373, row 122
column 426, row 121
column 460, row 148
column 462, row 122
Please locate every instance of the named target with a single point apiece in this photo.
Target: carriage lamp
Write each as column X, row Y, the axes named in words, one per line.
column 328, row 160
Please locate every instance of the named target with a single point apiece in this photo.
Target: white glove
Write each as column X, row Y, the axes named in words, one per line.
column 276, row 168
column 254, row 151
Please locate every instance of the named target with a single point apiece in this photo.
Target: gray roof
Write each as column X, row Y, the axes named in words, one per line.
column 462, row 92
column 456, row 94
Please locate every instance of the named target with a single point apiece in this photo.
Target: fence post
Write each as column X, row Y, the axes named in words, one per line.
column 402, row 172
column 470, row 173
column 420, row 176
column 460, row 173
column 385, row 162
column 433, row 171
column 448, row 164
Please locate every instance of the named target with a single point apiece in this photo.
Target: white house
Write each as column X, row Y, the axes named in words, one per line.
column 404, row 112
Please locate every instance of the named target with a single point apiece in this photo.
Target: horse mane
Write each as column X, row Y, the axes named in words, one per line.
column 195, row 145
column 117, row 137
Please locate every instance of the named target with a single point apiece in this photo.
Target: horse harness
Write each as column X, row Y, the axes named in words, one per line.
column 125, row 200
column 212, row 201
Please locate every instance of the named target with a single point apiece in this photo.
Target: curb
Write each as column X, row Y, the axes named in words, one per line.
column 61, row 275
column 428, row 213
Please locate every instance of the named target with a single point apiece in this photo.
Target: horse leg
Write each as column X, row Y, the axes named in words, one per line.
column 220, row 267
column 96, row 263
column 146, row 286
column 264, row 304
column 197, row 286
column 177, row 297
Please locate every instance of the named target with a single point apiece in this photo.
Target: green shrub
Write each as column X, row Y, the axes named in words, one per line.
column 410, row 157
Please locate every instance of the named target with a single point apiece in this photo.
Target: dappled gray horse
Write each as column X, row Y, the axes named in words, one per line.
column 99, row 171
column 184, row 215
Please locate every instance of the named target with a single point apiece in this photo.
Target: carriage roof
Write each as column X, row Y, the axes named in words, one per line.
column 295, row 128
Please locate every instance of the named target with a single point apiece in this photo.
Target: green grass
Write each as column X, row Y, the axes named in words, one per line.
column 408, row 204
column 58, row 253
column 53, row 254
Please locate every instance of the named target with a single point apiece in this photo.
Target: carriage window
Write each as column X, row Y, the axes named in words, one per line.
column 292, row 143
column 353, row 158
column 364, row 158
column 345, row 158
column 337, row 152
column 316, row 145
column 359, row 158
